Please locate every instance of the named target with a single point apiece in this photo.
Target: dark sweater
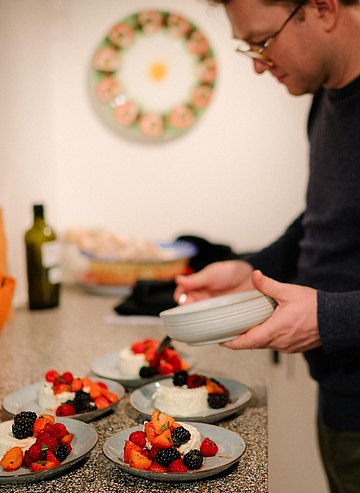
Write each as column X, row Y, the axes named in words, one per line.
column 321, row 249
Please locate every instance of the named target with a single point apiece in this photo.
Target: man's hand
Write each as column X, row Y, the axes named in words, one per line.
column 292, row 327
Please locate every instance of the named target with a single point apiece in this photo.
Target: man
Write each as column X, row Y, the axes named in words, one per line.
column 313, row 269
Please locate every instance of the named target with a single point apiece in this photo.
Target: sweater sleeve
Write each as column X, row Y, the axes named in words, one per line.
column 339, row 320
column 279, row 260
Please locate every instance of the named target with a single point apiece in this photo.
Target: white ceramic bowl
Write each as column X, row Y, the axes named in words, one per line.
column 217, row 319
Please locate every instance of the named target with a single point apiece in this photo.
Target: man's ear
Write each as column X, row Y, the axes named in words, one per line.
column 327, row 11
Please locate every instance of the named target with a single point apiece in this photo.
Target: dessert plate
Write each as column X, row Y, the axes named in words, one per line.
column 142, row 400
column 25, row 399
column 231, row 447
column 106, row 366
column 85, row 438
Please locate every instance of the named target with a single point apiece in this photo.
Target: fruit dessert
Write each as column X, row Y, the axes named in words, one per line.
column 167, row 446
column 68, row 395
column 142, row 360
column 34, row 442
column 190, row 394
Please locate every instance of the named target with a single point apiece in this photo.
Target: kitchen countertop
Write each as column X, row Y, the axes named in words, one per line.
column 70, row 337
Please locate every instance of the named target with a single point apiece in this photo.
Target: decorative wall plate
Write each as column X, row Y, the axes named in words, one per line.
column 153, row 75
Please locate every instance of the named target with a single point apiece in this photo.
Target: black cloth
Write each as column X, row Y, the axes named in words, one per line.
column 152, row 297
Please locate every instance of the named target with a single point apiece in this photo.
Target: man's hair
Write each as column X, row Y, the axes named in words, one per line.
column 284, row 2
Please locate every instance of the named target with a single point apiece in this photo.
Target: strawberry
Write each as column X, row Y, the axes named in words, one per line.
column 138, row 461
column 130, row 446
column 27, row 461
column 195, row 380
column 165, row 368
column 139, row 438
column 67, row 439
column 76, row 385
column 153, row 451
column 208, row 447
column 163, row 440
column 101, row 402
column 12, row 459
column 47, row 439
column 58, row 430
column 43, row 465
column 214, row 387
column 51, row 375
column 67, row 377
column 155, row 467
column 138, row 347
column 150, row 432
column 177, row 465
column 50, row 457
column 161, row 421
column 40, row 423
column 37, row 451
column 102, row 385
column 62, row 387
column 65, row 410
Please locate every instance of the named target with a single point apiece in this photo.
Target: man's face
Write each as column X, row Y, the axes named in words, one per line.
column 298, row 54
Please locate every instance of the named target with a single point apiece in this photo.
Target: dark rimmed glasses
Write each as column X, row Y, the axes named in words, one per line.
column 258, row 54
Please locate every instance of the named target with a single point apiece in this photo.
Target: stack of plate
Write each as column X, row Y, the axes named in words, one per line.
column 217, row 319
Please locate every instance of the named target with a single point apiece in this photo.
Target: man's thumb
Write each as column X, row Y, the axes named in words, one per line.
column 264, row 284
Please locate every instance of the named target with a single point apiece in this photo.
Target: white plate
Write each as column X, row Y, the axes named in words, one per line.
column 217, row 319
column 141, row 399
column 26, row 399
column 107, row 366
column 231, row 447
column 85, row 438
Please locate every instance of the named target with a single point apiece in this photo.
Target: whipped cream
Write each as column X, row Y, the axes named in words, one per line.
column 50, row 401
column 7, row 440
column 129, row 363
column 193, row 443
column 180, row 401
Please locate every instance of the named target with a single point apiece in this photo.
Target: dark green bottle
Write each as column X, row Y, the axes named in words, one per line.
column 43, row 263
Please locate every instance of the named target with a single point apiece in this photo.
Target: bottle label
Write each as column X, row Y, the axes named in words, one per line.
column 54, row 275
column 50, row 253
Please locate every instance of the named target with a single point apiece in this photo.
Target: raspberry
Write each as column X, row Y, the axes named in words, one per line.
column 177, row 465
column 193, row 459
column 138, row 437
column 166, row 455
column 195, row 380
column 65, row 410
column 180, row 435
column 208, row 447
column 180, row 378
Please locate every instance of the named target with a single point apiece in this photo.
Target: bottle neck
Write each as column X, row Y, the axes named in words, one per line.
column 39, row 219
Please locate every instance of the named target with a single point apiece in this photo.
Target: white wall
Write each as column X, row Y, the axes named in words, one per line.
column 237, row 177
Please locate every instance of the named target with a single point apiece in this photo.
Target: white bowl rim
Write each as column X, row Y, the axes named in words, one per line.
column 212, row 303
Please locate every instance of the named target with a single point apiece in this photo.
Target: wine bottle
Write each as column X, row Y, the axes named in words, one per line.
column 43, row 263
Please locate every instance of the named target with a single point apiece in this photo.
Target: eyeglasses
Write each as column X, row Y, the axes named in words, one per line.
column 258, row 53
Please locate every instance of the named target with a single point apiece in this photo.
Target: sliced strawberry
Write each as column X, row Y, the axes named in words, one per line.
column 138, row 461
column 150, row 432
column 138, row 347
column 155, row 467
column 178, row 466
column 130, row 446
column 161, row 421
column 164, row 440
